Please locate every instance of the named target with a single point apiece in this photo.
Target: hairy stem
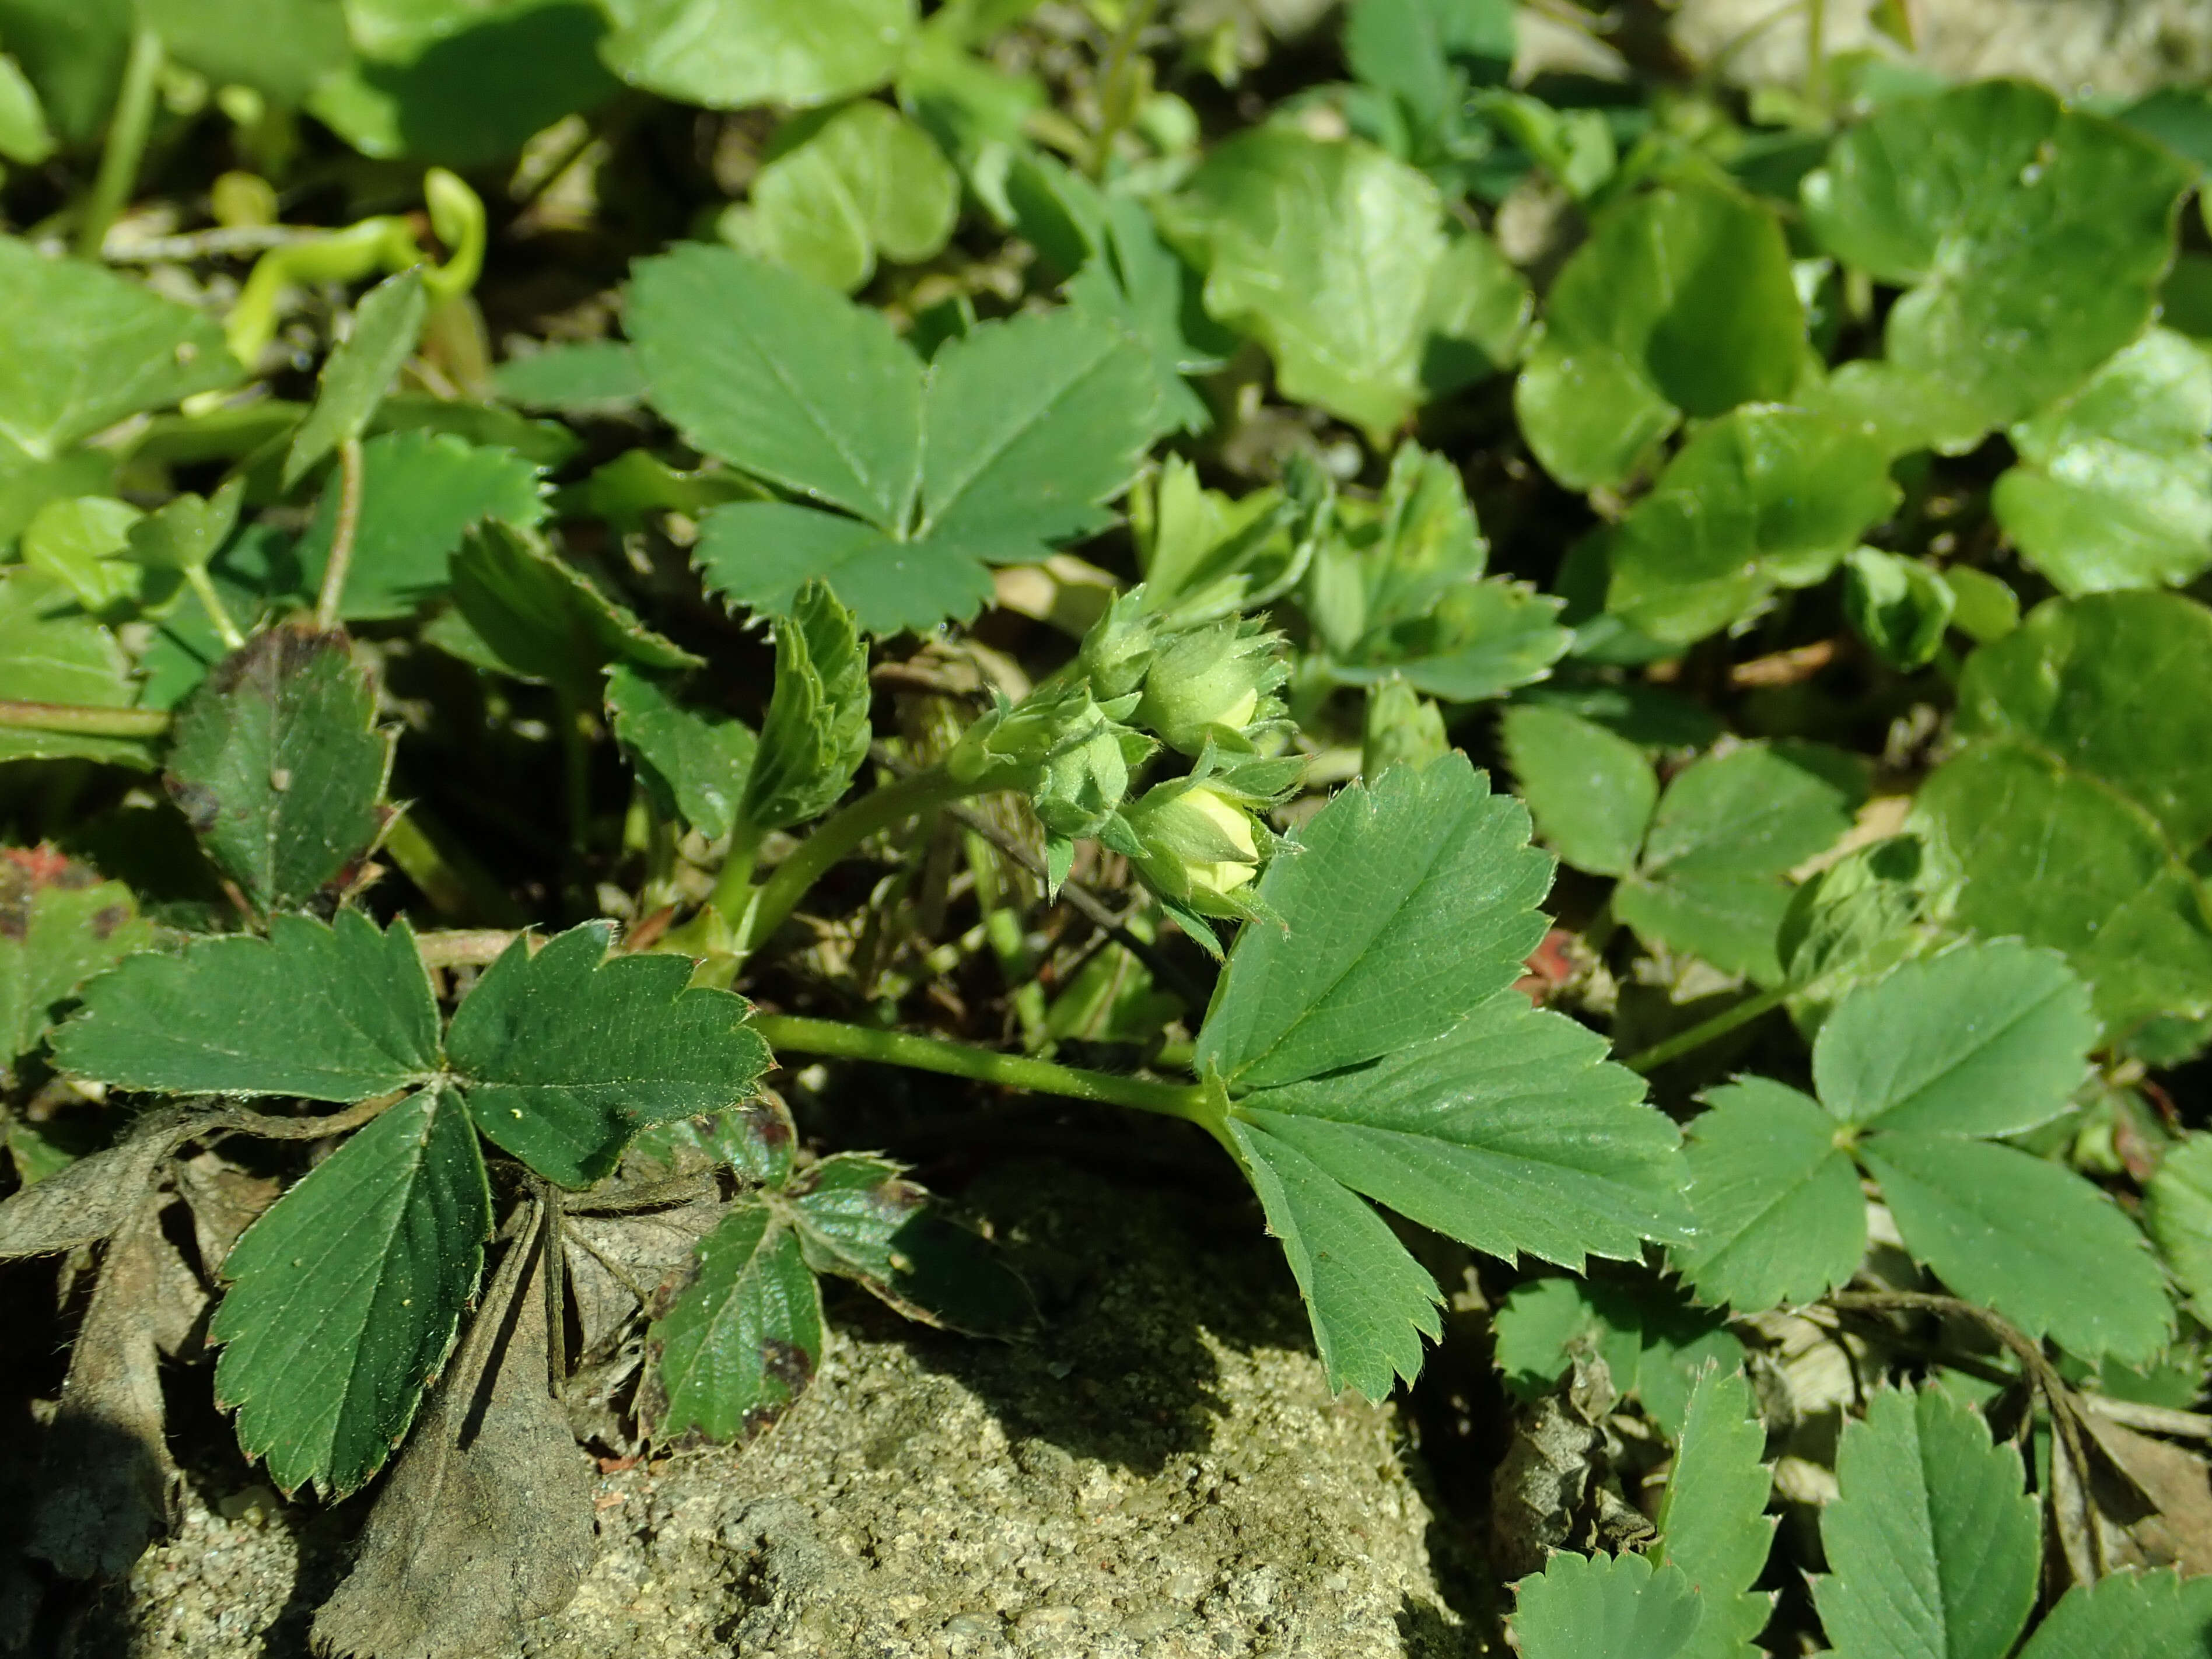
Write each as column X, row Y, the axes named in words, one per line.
column 125, row 147
column 763, row 911
column 1682, row 1043
column 787, row 1033
column 83, row 720
column 331, row 599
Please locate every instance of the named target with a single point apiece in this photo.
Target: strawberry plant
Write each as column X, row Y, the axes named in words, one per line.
column 578, row 584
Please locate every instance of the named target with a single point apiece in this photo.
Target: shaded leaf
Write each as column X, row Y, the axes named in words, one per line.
column 1899, row 606
column 694, row 763
column 1775, row 1201
column 573, row 376
column 2178, row 1211
column 856, row 1216
column 59, row 925
column 741, row 1340
column 345, row 1295
column 51, row 651
column 1591, row 792
column 335, row 1012
column 1653, row 1343
column 277, row 764
column 2127, row 1615
column 565, row 1055
column 1712, row 1522
column 360, row 370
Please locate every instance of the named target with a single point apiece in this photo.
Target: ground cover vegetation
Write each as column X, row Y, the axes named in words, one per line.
column 579, row 580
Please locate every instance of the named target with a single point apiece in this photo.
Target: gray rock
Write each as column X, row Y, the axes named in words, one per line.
column 1161, row 1473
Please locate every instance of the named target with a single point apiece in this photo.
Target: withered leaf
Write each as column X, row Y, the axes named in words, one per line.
column 616, row 1262
column 224, row 1203
column 95, row 1196
column 486, row 1523
column 108, row 1467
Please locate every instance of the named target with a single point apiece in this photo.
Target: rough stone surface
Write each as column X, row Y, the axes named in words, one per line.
column 1161, row 1473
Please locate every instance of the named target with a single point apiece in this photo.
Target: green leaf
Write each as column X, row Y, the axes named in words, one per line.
column 1986, row 1039
column 1899, row 606
column 281, row 48
column 1654, row 1344
column 574, row 376
column 1856, row 920
column 1591, row 792
column 527, row 612
column 1336, row 258
column 1606, row 1607
column 2113, row 488
column 779, row 375
column 1477, row 640
column 345, row 1295
column 2085, row 753
column 1711, row 879
column 856, row 1216
column 421, row 492
column 1933, row 1546
column 1407, row 903
column 338, row 1013
column 74, row 52
column 761, row 554
column 1370, row 1301
column 1712, row 1522
column 815, row 734
column 2127, row 1615
column 868, row 182
column 187, row 531
column 1427, row 51
column 1030, row 426
column 1681, row 303
column 51, row 651
column 24, row 135
column 277, row 765
column 359, row 371
column 726, row 54
column 1136, row 282
column 1775, row 1201
column 694, row 763
column 565, row 1054
column 742, row 1339
column 84, row 544
column 59, row 925
column 2178, row 1211
column 2002, row 211
column 2041, row 1245
column 1760, row 499
column 81, row 347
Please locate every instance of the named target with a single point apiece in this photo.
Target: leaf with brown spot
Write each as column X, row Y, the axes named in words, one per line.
column 486, row 1523
column 616, row 1262
column 738, row 1340
column 59, row 925
column 95, row 1196
column 857, row 1217
column 278, row 766
column 107, row 1466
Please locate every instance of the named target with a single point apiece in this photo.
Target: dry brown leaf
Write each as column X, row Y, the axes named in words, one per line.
column 2178, row 1483
column 97, row 1194
column 486, row 1523
column 224, row 1203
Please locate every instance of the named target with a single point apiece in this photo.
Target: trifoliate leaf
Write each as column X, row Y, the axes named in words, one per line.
column 815, row 734
column 760, row 553
column 2001, row 211
column 1030, row 426
column 1407, row 903
column 1606, row 1607
column 59, row 925
column 727, row 54
column 857, row 1216
column 694, row 764
column 1336, row 256
column 779, row 375
column 421, row 492
column 868, row 182
column 1681, row 303
column 1933, row 1547
column 574, row 376
column 2178, row 1211
column 1136, row 282
column 2127, row 1615
column 1710, row 881
column 2113, row 488
column 1774, row 1201
column 565, row 1054
column 741, row 1340
column 51, row 651
column 1476, row 641
column 1591, row 792
column 1899, row 606
column 1760, row 499
column 344, row 1295
column 361, row 369
column 526, row 611
column 1713, row 1524
column 278, row 767
column 335, row 1012
column 81, row 347
column 1986, row 1039
column 2086, row 732
column 1654, row 1344
column 2040, row 1244
column 1427, row 51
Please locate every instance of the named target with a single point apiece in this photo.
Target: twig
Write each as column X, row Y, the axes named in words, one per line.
column 2149, row 1419
column 463, row 947
column 331, row 599
column 269, row 1127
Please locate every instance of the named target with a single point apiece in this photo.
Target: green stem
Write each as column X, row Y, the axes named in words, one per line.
column 789, row 1034
column 1115, row 96
column 85, row 721
column 330, row 600
column 127, row 129
column 454, row 883
column 733, row 883
column 837, row 835
column 1816, row 55
column 1682, row 1043
column 203, row 585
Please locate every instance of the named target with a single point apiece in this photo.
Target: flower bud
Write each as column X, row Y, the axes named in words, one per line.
column 1119, row 647
column 1209, row 684
column 1200, row 847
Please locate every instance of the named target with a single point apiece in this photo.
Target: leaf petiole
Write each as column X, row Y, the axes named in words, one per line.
column 1682, row 1043
column 127, row 129
column 90, row 721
